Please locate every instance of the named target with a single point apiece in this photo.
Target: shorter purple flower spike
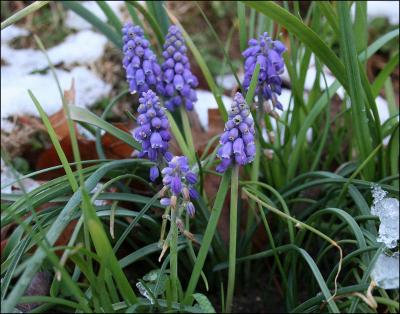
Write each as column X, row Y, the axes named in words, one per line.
column 237, row 142
column 179, row 82
column 268, row 54
column 178, row 182
column 142, row 69
column 152, row 131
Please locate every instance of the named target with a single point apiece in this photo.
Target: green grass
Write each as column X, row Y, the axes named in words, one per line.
column 300, row 229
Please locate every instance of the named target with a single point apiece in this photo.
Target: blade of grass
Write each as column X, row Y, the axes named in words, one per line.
column 134, row 16
column 151, row 20
column 241, row 9
column 207, row 238
column 360, row 26
column 221, row 45
column 157, row 10
column 359, row 117
column 111, row 16
column 84, row 115
column 53, row 136
column 22, row 13
column 384, row 74
column 188, row 134
column 104, row 249
column 232, row 237
column 330, row 14
column 88, row 16
column 56, row 229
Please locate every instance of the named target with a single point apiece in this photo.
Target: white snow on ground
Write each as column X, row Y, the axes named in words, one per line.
column 205, row 101
column 16, row 101
column 228, row 81
column 74, row 21
column 386, row 269
column 9, row 175
column 12, row 32
column 84, row 47
column 388, row 9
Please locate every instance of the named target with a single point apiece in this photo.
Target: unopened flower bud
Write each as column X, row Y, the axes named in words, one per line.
column 185, row 193
column 173, row 201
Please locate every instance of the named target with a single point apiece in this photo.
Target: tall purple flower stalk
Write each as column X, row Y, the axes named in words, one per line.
column 142, row 69
column 178, row 183
column 153, row 131
column 237, row 142
column 179, row 82
column 268, row 54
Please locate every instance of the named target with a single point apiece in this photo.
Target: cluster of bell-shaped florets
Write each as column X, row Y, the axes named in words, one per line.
column 142, row 69
column 268, row 54
column 178, row 183
column 179, row 82
column 237, row 142
column 153, row 131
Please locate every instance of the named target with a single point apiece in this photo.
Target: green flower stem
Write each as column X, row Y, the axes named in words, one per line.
column 232, row 238
column 188, row 134
column 207, row 238
column 174, row 256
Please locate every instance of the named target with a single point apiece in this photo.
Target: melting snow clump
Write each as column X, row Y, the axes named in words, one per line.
column 387, row 209
column 386, row 270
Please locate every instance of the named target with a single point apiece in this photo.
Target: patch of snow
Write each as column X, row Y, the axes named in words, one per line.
column 387, row 209
column 74, row 21
column 16, row 101
column 23, row 60
column 85, row 133
column 228, row 81
column 9, row 175
column 386, row 271
column 205, row 101
column 388, row 9
column 7, row 126
column 83, row 47
column 11, row 32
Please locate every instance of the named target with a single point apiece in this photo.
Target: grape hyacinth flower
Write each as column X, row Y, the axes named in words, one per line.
column 153, row 131
column 142, row 69
column 268, row 54
column 237, row 141
column 179, row 82
column 178, row 182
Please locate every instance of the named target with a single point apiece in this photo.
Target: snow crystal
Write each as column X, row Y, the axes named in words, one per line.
column 387, row 209
column 74, row 21
column 16, row 101
column 386, row 271
column 11, row 32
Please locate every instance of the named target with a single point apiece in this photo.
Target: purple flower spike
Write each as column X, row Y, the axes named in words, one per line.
column 268, row 54
column 152, row 131
column 237, row 142
column 178, row 182
column 142, row 69
column 178, row 79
